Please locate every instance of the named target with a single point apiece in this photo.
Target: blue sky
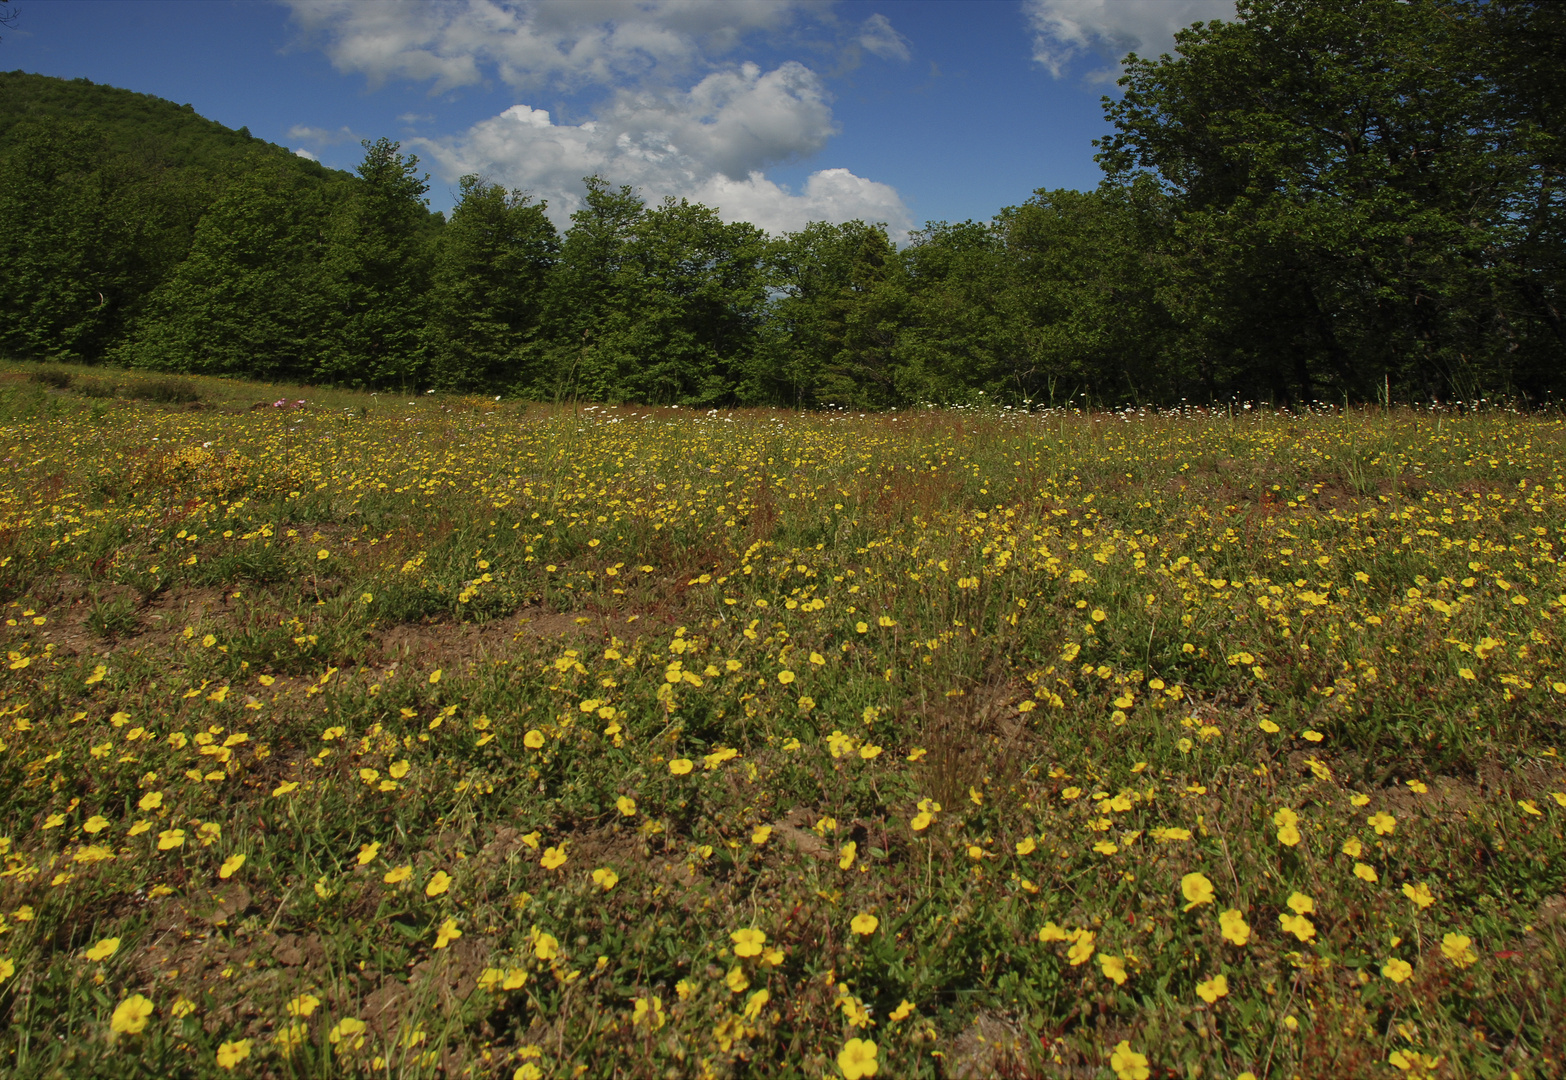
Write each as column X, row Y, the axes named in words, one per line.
column 775, row 111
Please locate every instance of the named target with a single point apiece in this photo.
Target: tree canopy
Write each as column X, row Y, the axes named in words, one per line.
column 1348, row 200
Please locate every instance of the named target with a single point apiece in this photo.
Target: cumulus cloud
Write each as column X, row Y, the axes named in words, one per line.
column 677, row 117
column 710, row 143
column 531, row 43
column 835, row 195
column 306, row 155
column 1108, row 29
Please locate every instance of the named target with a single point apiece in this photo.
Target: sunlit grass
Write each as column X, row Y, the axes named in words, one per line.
column 431, row 736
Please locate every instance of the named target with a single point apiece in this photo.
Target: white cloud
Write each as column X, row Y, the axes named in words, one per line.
column 677, row 119
column 306, row 155
column 710, row 144
column 531, row 43
column 323, row 136
column 877, row 36
column 835, row 195
column 1065, row 29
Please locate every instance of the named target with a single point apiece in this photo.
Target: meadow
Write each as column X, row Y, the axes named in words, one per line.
column 418, row 736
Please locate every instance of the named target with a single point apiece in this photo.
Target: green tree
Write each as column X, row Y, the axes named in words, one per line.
column 1082, row 301
column 246, row 301
column 1055, row 300
column 101, row 194
column 1522, row 53
column 840, row 298
column 377, row 271
column 693, row 291
column 491, row 269
column 583, row 308
column 958, row 334
column 85, row 234
column 1349, row 180
column 659, row 306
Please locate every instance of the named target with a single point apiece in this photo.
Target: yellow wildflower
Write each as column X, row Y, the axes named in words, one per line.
column 103, row 950
column 131, row 1015
column 748, row 942
column 1298, row 925
column 230, row 1054
column 1458, row 948
column 447, row 933
column 1236, row 931
column 857, row 1059
column 1128, row 1064
column 1197, row 889
column 1213, row 989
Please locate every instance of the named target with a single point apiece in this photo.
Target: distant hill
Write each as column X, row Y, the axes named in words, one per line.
column 102, row 193
column 118, row 208
column 143, row 125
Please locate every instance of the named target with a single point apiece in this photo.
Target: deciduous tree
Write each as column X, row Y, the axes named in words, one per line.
column 491, row 269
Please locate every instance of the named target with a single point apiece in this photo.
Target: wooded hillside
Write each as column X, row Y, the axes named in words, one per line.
column 1318, row 200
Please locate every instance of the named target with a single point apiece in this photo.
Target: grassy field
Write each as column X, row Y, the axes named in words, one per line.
column 425, row 736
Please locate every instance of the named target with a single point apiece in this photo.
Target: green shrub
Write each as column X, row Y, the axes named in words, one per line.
column 95, row 388
column 59, row 380
column 166, row 391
